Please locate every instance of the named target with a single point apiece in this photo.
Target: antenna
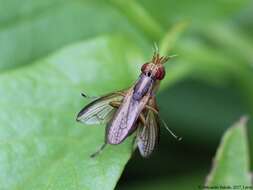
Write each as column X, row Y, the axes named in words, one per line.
column 156, row 49
column 172, row 56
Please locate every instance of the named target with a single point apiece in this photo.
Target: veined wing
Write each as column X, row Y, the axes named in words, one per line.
column 99, row 111
column 124, row 120
column 148, row 135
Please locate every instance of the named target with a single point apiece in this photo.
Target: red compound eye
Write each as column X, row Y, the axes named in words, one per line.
column 160, row 73
column 143, row 68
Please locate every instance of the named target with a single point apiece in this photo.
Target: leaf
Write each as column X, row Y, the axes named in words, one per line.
column 199, row 12
column 231, row 163
column 41, row 144
column 32, row 29
column 137, row 14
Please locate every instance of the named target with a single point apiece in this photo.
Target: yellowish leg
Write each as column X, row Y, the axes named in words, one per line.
column 152, row 109
column 115, row 104
column 120, row 93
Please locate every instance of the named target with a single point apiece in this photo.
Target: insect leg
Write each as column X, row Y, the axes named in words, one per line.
column 98, row 151
column 120, row 93
column 142, row 119
column 143, row 122
column 115, row 104
column 89, row 97
column 170, row 131
column 151, row 108
column 134, row 144
column 96, row 97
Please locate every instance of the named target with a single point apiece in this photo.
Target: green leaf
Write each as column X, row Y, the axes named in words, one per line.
column 42, row 146
column 140, row 17
column 231, row 164
column 32, row 29
column 199, row 12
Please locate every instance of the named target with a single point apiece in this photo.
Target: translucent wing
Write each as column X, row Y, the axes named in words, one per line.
column 99, row 111
column 148, row 135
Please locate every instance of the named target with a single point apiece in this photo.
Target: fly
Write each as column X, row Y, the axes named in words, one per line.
column 134, row 109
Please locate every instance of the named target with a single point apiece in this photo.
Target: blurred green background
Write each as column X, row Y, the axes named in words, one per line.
column 209, row 85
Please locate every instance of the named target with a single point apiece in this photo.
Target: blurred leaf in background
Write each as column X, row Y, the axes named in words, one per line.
column 53, row 50
column 227, row 170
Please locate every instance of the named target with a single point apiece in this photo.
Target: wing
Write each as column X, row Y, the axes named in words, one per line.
column 124, row 120
column 148, row 135
column 99, row 111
